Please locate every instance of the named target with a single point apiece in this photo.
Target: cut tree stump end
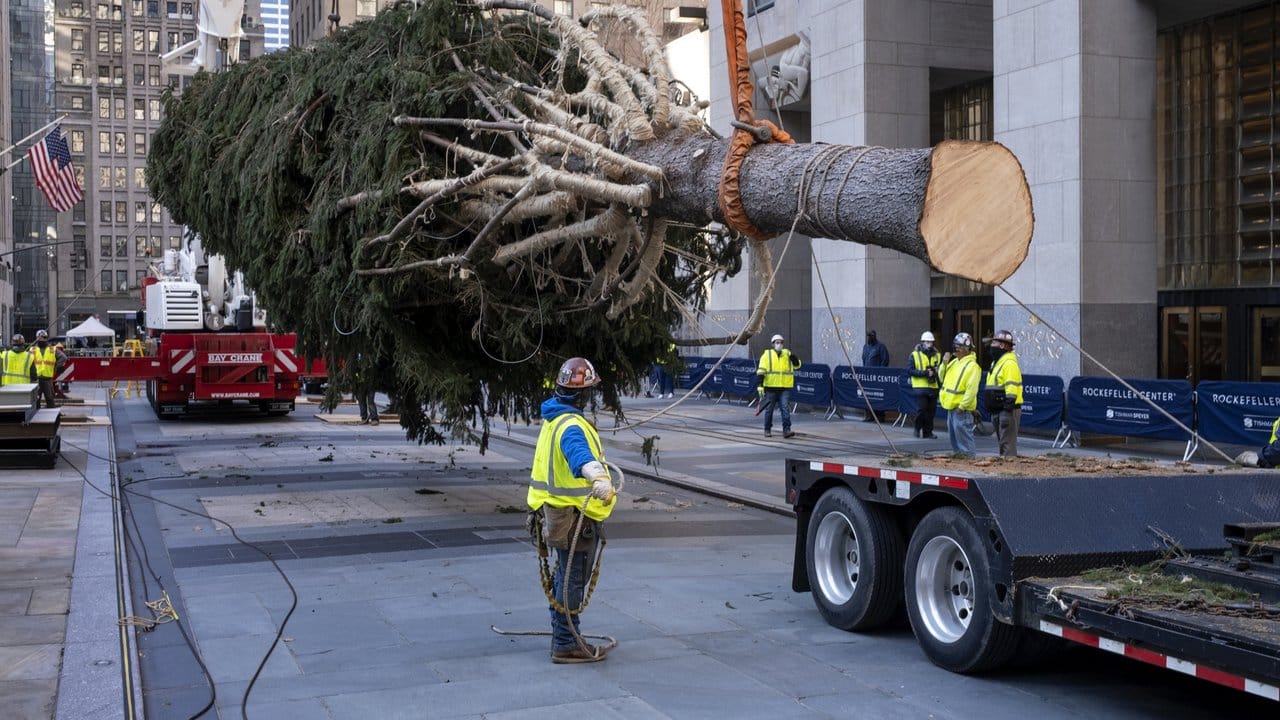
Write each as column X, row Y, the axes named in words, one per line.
column 977, row 218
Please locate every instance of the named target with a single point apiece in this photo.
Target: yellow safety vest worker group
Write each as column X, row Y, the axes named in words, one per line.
column 960, row 379
column 553, row 483
column 17, row 367
column 45, row 360
column 778, row 369
column 921, row 360
column 1006, row 374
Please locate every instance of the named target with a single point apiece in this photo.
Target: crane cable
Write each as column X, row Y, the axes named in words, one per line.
column 747, row 130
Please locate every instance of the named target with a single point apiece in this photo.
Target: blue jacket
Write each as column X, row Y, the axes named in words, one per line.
column 572, row 442
column 876, row 355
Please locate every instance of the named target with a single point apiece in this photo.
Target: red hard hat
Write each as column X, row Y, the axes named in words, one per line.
column 577, row 373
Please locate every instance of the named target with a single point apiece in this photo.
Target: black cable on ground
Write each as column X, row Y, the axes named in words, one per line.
column 244, row 701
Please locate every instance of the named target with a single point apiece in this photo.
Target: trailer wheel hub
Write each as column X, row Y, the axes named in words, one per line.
column 836, row 557
column 944, row 589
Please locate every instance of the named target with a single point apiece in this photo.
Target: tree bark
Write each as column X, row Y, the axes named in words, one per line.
column 962, row 207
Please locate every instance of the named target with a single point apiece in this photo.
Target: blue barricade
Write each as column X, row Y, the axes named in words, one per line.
column 695, row 368
column 813, row 385
column 907, row 398
column 1103, row 405
column 880, row 384
column 739, row 377
column 1042, row 402
column 1241, row 413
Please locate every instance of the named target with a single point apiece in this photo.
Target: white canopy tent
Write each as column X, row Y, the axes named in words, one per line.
column 91, row 327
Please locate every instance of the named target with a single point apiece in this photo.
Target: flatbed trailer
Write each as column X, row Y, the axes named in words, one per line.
column 990, row 569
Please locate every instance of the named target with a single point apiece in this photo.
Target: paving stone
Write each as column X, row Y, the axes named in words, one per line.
column 32, row 629
column 15, row 601
column 28, row 699
column 230, row 659
column 623, row 708
column 29, row 662
column 50, row 601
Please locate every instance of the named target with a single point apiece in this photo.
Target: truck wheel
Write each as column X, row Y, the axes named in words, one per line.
column 949, row 595
column 854, row 556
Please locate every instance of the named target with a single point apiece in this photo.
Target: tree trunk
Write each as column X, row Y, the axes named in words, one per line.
column 962, row 207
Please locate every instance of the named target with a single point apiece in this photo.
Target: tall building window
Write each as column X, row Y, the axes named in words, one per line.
column 117, row 42
column 139, row 40
column 77, row 101
column 140, row 178
column 104, row 11
column 104, row 41
column 564, row 7
column 139, row 109
column 104, row 107
column 1218, row 127
column 139, row 74
column 119, row 147
column 104, row 244
column 139, row 143
column 140, row 248
column 79, row 255
column 77, row 141
column 139, row 216
column 122, row 245
column 137, row 8
column 77, row 40
column 78, row 276
column 153, row 109
column 104, row 177
column 155, row 212
column 104, row 142
column 153, row 75
column 104, row 74
column 366, row 8
column 122, row 218
column 104, row 282
column 153, row 41
column 122, row 178
column 119, row 105
column 963, row 112
column 122, row 280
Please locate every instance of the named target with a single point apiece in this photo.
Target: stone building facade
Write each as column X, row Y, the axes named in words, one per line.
column 1148, row 131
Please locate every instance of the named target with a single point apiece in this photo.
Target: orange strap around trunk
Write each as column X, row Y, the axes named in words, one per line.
column 728, row 197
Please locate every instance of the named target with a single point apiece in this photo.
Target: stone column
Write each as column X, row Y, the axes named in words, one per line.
column 1074, row 92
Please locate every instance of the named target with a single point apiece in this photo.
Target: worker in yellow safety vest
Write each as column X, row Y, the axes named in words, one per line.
column 18, row 362
column 569, row 479
column 1268, row 456
column 45, row 358
column 923, row 370
column 959, row 393
column 777, row 372
column 1003, row 392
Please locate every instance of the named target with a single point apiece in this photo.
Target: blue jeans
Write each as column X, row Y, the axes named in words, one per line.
column 960, row 428
column 777, row 398
column 561, row 636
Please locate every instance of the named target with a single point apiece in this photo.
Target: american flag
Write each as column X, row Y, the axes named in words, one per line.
column 51, row 162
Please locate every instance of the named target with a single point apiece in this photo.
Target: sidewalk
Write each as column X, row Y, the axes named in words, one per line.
column 57, row 580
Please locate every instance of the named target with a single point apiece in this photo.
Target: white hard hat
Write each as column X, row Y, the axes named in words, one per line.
column 963, row 340
column 926, row 336
column 776, row 338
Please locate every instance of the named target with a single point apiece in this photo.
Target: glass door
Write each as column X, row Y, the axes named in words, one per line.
column 1264, row 366
column 1194, row 343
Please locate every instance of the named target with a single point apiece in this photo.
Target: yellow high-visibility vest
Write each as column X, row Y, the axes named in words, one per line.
column 1007, row 375
column 923, row 361
column 777, row 369
column 960, row 384
column 17, row 367
column 1274, row 429
column 552, row 482
column 45, row 360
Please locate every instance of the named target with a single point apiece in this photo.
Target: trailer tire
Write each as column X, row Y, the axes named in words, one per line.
column 854, row 557
column 948, row 594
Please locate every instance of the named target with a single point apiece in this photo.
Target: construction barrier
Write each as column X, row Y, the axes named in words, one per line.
column 1102, row 405
column 1241, row 413
column 881, row 385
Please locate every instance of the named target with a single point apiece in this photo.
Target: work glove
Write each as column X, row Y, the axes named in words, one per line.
column 601, row 485
column 1248, row 458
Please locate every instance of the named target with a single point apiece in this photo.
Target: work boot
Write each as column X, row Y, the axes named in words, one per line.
column 768, row 433
column 578, row 655
column 787, row 434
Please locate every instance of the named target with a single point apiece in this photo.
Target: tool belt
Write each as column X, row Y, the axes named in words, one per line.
column 555, row 526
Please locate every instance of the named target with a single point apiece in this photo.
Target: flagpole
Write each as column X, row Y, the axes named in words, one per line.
column 9, row 149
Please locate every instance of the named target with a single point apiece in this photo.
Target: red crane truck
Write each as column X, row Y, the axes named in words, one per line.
column 207, row 343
